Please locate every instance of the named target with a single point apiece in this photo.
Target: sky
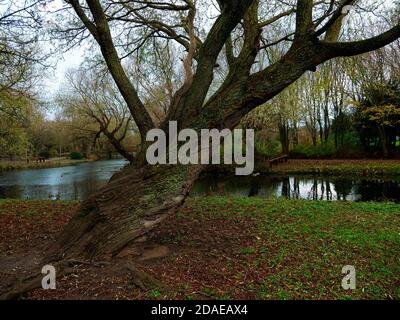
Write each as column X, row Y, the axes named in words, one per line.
column 63, row 62
column 70, row 60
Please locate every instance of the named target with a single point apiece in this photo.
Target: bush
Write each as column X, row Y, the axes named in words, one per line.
column 268, row 149
column 351, row 147
column 307, row 151
column 45, row 154
column 76, row 155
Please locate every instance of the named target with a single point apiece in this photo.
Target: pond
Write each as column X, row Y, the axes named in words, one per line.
column 64, row 183
column 301, row 187
column 78, row 182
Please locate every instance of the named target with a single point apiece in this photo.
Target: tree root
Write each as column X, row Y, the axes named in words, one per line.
column 31, row 283
column 143, row 280
column 88, row 263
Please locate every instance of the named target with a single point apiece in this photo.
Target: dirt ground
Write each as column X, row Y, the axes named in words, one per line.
column 23, row 242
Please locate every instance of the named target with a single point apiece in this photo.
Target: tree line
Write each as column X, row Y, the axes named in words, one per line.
column 347, row 108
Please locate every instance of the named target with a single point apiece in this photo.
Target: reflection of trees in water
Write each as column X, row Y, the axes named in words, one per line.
column 321, row 189
column 314, row 188
column 290, row 188
column 286, row 188
column 378, row 190
column 313, row 194
column 329, row 195
column 254, row 188
column 343, row 188
column 296, row 188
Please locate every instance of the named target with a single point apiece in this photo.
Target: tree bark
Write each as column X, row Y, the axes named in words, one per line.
column 284, row 136
column 384, row 143
column 135, row 201
column 117, row 144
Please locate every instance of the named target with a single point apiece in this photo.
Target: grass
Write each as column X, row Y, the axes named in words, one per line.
column 367, row 168
column 334, row 167
column 246, row 248
column 301, row 246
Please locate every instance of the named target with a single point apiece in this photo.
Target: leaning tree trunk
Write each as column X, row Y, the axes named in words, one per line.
column 118, row 216
column 121, row 214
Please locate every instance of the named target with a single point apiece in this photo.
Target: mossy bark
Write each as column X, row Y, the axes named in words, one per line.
column 135, row 201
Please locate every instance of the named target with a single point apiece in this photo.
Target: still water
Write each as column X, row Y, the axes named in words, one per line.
column 296, row 187
column 78, row 182
column 64, row 183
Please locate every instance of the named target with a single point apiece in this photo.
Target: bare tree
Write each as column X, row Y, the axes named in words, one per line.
column 19, row 26
column 96, row 99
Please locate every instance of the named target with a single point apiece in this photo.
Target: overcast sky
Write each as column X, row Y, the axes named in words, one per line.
column 69, row 60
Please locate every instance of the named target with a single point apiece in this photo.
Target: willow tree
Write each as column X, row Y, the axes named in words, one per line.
column 141, row 196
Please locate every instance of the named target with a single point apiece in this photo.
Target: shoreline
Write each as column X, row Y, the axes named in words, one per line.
column 365, row 167
column 21, row 165
column 335, row 167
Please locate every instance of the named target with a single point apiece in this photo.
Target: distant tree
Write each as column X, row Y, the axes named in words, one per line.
column 378, row 114
column 14, row 140
column 97, row 100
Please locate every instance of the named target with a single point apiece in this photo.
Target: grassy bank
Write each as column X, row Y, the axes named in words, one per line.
column 354, row 168
column 21, row 165
column 372, row 168
column 236, row 248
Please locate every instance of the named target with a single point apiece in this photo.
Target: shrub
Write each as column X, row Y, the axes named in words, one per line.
column 350, row 147
column 307, row 151
column 268, row 148
column 44, row 154
column 75, row 155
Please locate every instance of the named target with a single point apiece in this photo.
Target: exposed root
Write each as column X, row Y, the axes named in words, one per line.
column 143, row 280
column 30, row 283
column 88, row 263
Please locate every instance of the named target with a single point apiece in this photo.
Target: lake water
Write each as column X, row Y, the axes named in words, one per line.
column 296, row 187
column 78, row 182
column 64, row 183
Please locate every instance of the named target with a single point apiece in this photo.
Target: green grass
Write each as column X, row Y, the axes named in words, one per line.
column 305, row 245
column 344, row 170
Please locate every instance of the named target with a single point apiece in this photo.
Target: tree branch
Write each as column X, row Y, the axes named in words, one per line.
column 232, row 12
column 304, row 21
column 104, row 39
column 348, row 49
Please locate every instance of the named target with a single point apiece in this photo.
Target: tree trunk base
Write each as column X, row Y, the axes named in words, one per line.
column 116, row 220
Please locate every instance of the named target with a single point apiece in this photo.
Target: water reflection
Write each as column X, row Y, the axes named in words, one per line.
column 311, row 188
